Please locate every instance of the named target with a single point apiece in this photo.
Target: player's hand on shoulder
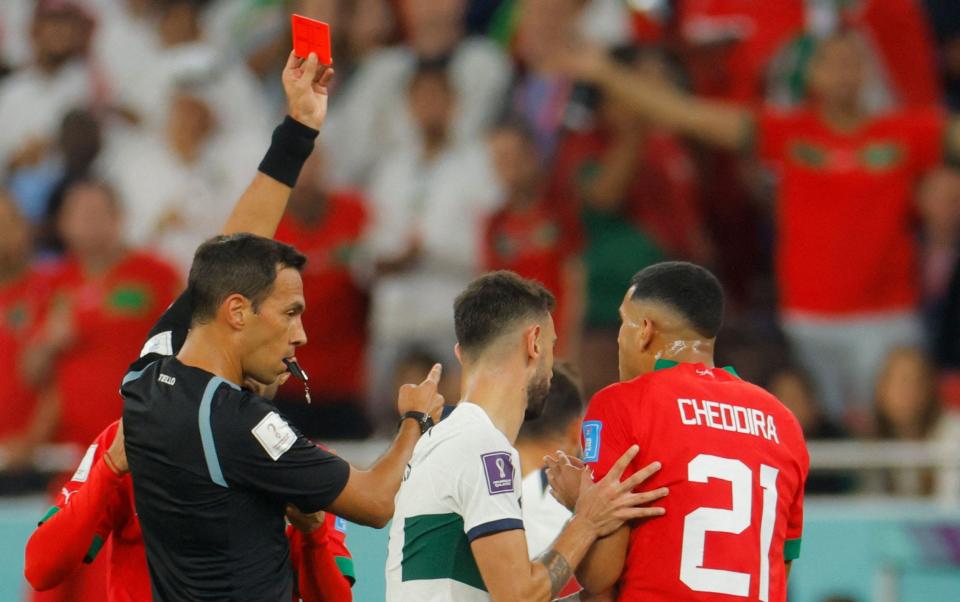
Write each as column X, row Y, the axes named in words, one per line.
column 116, row 456
column 305, row 84
column 423, row 397
column 565, row 474
column 303, row 522
column 609, row 503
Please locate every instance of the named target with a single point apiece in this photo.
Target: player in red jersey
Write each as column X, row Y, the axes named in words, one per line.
column 95, row 508
column 734, row 458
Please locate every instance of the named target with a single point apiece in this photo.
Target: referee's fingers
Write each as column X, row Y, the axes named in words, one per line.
column 293, row 61
column 620, row 465
column 433, row 378
column 640, row 476
column 310, row 68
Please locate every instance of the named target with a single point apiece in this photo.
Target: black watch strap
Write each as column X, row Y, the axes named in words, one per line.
column 424, row 420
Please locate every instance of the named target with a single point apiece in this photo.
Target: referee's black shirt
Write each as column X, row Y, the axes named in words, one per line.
column 213, row 468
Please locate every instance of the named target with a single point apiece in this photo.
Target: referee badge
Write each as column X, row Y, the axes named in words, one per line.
column 591, row 440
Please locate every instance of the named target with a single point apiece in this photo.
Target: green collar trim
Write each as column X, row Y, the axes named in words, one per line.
column 662, row 364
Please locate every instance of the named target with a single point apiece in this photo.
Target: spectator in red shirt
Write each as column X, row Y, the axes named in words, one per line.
column 23, row 290
column 638, row 194
column 846, row 255
column 533, row 234
column 105, row 297
column 326, row 225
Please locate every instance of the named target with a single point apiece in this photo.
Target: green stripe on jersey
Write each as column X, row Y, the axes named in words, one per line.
column 791, row 549
column 94, row 549
column 436, row 547
column 346, row 568
column 53, row 510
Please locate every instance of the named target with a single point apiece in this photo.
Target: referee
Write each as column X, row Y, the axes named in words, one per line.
column 214, row 465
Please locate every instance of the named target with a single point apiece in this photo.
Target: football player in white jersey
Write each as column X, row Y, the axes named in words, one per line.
column 457, row 533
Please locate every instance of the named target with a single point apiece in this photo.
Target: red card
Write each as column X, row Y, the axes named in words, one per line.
column 310, row 35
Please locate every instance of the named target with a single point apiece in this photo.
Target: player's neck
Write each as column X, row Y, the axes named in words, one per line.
column 532, row 452
column 207, row 349
column 501, row 391
column 687, row 349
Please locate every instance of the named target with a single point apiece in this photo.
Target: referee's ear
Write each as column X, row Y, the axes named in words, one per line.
column 233, row 311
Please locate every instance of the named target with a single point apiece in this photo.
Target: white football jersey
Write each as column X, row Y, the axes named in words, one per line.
column 462, row 483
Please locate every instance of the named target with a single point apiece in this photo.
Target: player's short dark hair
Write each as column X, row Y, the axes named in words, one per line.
column 564, row 403
column 493, row 304
column 243, row 264
column 691, row 290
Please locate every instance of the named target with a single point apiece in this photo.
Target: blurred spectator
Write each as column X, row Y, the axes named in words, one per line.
column 370, row 119
column 106, row 298
column 429, row 201
column 939, row 201
column 793, row 387
column 846, row 208
column 541, row 95
column 326, row 226
column 534, row 234
column 34, row 99
column 185, row 55
column 177, row 187
column 39, row 189
column 23, row 292
column 944, row 16
column 908, row 409
column 637, row 190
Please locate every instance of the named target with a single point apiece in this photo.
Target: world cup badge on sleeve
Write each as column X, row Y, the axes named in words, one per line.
column 498, row 468
column 591, row 440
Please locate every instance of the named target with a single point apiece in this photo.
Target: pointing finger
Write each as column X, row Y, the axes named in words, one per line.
column 433, row 378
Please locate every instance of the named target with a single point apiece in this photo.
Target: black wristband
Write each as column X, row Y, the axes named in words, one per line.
column 291, row 144
column 424, row 420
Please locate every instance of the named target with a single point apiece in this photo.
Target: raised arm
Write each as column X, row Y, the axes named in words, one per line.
column 712, row 122
column 261, row 206
column 601, row 508
column 369, row 495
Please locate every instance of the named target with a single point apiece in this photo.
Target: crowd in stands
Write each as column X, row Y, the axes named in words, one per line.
column 803, row 150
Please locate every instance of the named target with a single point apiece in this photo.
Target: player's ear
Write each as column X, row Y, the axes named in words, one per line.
column 457, row 352
column 233, row 310
column 534, row 341
column 645, row 334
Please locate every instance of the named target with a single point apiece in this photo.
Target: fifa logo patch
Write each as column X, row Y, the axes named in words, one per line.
column 340, row 524
column 591, row 440
column 498, row 468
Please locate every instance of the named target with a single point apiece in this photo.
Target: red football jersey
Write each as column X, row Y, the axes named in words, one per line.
column 111, row 519
column 335, row 320
column 21, row 303
column 735, row 461
column 846, row 206
column 111, row 314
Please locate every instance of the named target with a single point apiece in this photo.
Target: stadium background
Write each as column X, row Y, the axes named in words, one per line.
column 163, row 107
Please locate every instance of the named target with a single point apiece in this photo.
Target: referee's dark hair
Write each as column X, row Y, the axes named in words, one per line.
column 693, row 291
column 241, row 263
column 492, row 305
column 564, row 403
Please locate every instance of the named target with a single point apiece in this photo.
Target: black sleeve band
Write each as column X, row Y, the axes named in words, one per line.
column 291, row 144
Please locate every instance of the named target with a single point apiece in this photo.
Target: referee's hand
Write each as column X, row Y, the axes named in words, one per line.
column 423, row 397
column 305, row 84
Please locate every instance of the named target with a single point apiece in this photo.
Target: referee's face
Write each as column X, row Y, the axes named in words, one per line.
column 273, row 333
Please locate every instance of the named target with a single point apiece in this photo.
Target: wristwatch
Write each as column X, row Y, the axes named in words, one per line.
column 424, row 420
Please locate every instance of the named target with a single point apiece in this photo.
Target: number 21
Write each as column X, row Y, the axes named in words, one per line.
column 735, row 521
